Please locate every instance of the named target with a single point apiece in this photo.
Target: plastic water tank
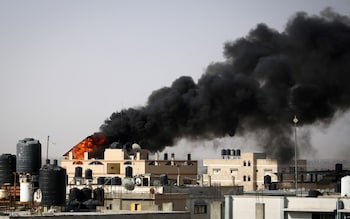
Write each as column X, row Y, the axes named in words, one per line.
column 99, row 196
column 7, row 168
column 78, row 172
column 52, row 181
column 88, row 174
column 345, row 186
column 163, row 179
column 128, row 171
column 28, row 156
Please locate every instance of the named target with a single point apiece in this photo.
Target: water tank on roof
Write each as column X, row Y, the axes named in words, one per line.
column 233, row 152
column 28, row 156
column 267, row 179
column 78, row 172
column 7, row 168
column 345, row 186
column 52, row 181
column 116, row 181
column 163, row 179
column 101, row 180
column 338, row 167
column 87, row 193
column 128, row 171
column 76, row 194
column 99, row 196
column 88, row 174
column 223, row 152
column 238, row 152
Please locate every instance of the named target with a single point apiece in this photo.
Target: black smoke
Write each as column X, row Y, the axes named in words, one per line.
column 266, row 79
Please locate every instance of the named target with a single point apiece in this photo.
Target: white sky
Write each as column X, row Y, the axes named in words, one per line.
column 66, row 65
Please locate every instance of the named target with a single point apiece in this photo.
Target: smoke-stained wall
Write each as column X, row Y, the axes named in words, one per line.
column 266, row 79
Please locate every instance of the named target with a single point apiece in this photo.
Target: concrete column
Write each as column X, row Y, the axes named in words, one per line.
column 259, row 210
column 215, row 210
column 228, row 207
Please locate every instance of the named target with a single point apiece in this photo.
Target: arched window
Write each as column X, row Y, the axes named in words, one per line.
column 244, row 178
column 248, row 163
column 244, row 163
column 96, row 163
column 248, row 178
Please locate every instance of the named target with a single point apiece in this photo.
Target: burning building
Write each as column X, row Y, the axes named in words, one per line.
column 103, row 161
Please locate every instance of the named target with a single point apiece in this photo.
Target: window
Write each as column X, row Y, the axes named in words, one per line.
column 96, row 163
column 244, row 178
column 248, row 178
column 248, row 163
column 200, row 209
column 234, row 171
column 113, row 168
column 244, row 163
column 216, row 171
column 322, row 215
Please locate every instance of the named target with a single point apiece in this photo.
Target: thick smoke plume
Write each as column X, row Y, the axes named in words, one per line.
column 266, row 79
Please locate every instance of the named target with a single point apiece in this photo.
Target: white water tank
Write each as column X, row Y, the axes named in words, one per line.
column 345, row 186
column 25, row 188
column 25, row 192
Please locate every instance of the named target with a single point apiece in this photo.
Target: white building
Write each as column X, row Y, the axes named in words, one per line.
column 286, row 207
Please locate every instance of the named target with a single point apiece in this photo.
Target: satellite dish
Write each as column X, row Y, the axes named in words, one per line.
column 138, row 181
column 38, row 195
column 128, row 184
column 136, row 147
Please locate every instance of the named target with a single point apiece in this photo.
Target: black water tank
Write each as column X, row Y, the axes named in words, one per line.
column 116, row 181
column 128, row 171
column 78, row 172
column 238, row 152
column 7, row 168
column 76, row 194
column 338, row 167
column 28, row 156
column 267, row 180
column 145, row 182
column 163, row 179
column 273, row 186
column 52, row 183
column 107, row 181
column 88, row 174
column 101, row 180
column 223, row 152
column 233, row 152
column 87, row 193
column 99, row 196
column 314, row 193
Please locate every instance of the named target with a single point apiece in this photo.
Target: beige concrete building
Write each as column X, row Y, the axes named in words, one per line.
column 118, row 163
column 250, row 170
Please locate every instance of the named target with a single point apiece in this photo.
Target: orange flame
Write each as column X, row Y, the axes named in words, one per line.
column 89, row 144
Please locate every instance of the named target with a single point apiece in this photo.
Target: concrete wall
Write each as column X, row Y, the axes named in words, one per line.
column 246, row 207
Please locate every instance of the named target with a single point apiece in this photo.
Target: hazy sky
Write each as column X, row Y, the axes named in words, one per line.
column 66, row 65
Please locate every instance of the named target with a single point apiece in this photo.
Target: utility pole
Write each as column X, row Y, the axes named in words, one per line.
column 295, row 120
